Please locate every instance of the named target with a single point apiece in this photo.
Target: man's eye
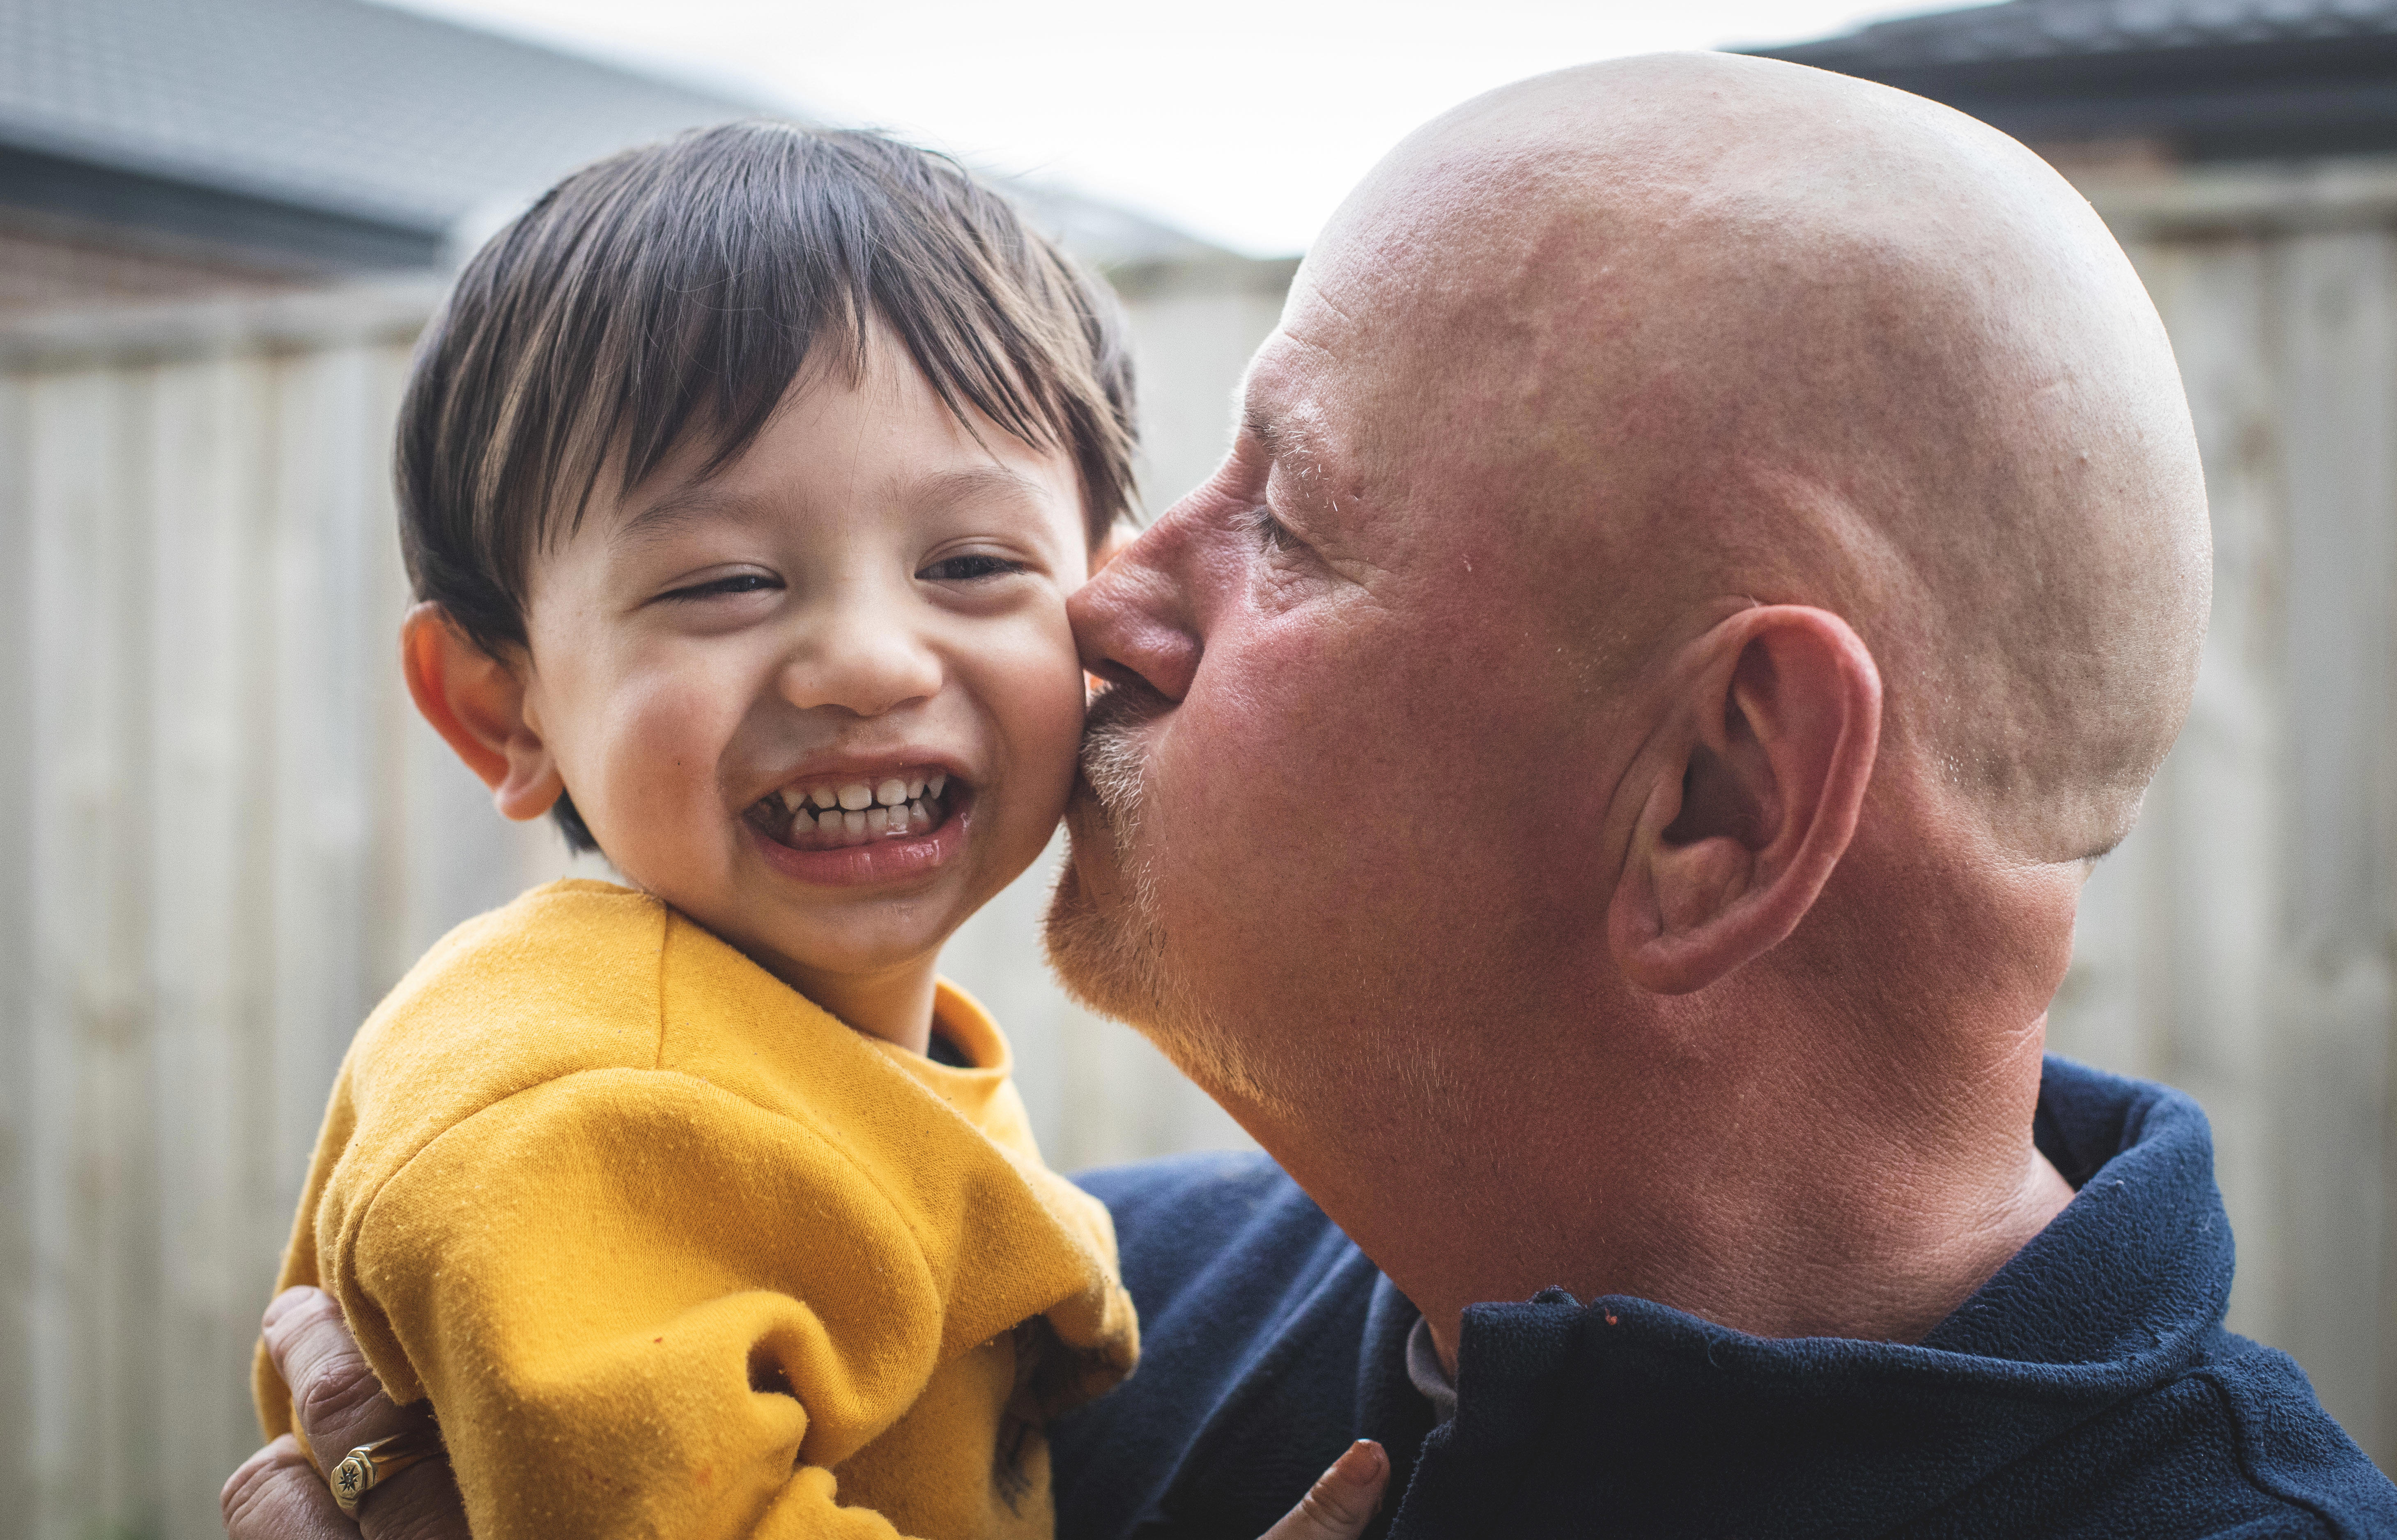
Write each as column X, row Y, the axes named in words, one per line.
column 739, row 582
column 966, row 568
column 1271, row 531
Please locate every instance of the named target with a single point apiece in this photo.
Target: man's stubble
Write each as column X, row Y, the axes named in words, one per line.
column 1113, row 958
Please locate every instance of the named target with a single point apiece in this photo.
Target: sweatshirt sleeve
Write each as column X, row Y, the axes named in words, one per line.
column 633, row 1318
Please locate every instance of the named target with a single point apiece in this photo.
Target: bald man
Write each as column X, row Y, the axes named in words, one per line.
column 1597, row 784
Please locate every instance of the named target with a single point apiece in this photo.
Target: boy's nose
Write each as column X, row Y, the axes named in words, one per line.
column 861, row 662
column 1134, row 619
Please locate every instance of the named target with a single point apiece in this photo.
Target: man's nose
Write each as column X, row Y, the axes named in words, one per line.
column 860, row 657
column 1134, row 619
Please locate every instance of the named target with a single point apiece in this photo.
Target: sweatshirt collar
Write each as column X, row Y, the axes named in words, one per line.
column 2118, row 1294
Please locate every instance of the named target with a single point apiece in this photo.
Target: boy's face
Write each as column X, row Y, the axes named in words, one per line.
column 867, row 605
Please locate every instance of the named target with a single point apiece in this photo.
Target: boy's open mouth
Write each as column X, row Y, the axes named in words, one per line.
column 832, row 816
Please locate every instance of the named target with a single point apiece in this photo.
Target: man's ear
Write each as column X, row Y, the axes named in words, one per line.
column 1754, row 783
column 478, row 704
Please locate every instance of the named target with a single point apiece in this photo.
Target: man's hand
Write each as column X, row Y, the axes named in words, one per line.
column 1341, row 1501
column 276, row 1494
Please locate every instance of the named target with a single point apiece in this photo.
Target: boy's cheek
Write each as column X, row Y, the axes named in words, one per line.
column 654, row 752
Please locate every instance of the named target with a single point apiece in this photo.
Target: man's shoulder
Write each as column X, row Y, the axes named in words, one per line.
column 1253, row 1312
column 2288, row 1447
column 1216, row 1190
column 1210, row 1224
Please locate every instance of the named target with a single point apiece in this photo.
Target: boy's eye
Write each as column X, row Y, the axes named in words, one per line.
column 739, row 582
column 967, row 568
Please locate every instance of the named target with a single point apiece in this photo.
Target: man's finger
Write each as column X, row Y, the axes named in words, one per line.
column 420, row 1502
column 276, row 1494
column 1341, row 1501
column 340, row 1406
column 334, row 1395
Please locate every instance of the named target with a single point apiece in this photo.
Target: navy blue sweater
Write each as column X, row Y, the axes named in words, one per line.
column 2087, row 1389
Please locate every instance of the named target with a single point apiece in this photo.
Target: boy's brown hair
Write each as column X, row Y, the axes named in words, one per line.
column 679, row 288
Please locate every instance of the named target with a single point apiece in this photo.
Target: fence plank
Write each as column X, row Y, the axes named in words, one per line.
column 19, row 1489
column 205, row 808
column 2339, row 414
column 95, row 1320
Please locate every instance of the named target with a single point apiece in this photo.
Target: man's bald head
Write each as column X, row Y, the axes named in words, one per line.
column 1710, row 546
column 1714, row 327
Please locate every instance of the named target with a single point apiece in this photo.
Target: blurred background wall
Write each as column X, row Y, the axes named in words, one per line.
column 223, row 833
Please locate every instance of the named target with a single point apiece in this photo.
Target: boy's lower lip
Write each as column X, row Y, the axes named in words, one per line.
column 872, row 864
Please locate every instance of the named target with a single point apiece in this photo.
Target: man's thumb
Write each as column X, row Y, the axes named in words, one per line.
column 1341, row 1501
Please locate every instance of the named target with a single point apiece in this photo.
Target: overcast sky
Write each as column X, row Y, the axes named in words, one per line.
column 1241, row 120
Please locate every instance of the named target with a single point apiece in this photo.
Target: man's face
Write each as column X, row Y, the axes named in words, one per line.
column 1363, row 778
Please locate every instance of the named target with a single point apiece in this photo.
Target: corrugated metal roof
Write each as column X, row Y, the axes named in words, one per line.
column 2055, row 29
column 2201, row 79
column 351, row 108
column 343, row 111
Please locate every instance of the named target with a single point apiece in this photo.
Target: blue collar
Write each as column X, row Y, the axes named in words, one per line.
column 2123, row 1292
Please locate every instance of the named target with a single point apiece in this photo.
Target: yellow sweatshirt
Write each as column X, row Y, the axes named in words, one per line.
column 674, row 1253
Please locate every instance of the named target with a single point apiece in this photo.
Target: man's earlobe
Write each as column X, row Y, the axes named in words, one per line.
column 1754, row 785
column 477, row 703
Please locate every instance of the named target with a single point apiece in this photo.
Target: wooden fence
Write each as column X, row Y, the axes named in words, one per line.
column 224, row 833
column 2239, row 943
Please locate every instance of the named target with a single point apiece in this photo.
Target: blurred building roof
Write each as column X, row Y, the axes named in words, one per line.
column 337, row 134
column 2210, row 79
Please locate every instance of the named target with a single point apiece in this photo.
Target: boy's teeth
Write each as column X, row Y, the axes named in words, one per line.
column 892, row 808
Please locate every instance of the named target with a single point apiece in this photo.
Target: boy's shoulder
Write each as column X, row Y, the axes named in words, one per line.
column 569, row 973
column 564, row 980
column 579, row 979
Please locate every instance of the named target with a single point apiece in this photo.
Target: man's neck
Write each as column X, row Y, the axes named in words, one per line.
column 1779, row 1194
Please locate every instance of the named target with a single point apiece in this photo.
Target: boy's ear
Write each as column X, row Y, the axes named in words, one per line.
column 478, row 704
column 1752, row 786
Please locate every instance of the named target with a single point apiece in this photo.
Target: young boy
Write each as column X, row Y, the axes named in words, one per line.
column 742, row 484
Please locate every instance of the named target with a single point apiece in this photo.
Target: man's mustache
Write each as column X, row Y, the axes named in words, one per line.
column 1112, row 755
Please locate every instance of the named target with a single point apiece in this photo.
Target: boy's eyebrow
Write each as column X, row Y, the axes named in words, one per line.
column 678, row 507
column 974, row 480
column 687, row 504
